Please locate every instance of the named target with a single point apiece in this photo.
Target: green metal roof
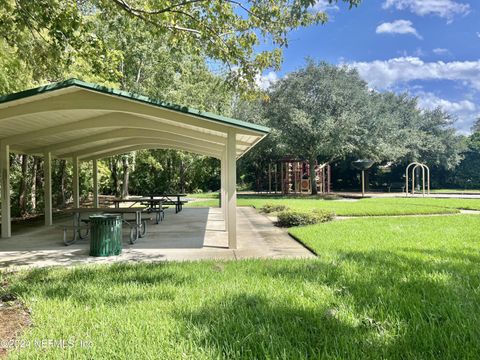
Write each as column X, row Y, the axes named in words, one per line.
column 136, row 97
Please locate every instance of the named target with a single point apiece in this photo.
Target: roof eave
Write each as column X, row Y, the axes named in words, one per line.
column 261, row 130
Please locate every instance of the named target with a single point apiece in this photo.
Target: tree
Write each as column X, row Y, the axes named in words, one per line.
column 62, row 32
column 161, row 171
column 467, row 174
column 115, row 173
column 23, row 187
column 15, row 74
column 327, row 113
column 324, row 112
column 413, row 134
column 126, row 176
column 253, row 166
column 476, row 126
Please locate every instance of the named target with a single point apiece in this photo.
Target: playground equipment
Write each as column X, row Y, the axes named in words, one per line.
column 294, row 177
column 424, row 168
column 362, row 165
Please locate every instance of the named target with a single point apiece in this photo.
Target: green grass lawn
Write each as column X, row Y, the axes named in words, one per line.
column 362, row 207
column 420, row 277
column 454, row 191
column 381, row 288
column 206, row 195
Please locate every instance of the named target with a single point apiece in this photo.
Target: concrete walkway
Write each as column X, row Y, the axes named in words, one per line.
column 193, row 234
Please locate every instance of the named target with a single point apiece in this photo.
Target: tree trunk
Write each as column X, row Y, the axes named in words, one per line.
column 33, row 194
column 22, row 201
column 170, row 177
column 126, row 176
column 63, row 176
column 182, row 176
column 36, row 181
column 313, row 180
column 116, row 185
column 38, row 176
column 367, row 180
column 417, row 180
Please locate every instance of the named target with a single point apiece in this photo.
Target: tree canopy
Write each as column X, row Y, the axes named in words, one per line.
column 65, row 33
column 320, row 111
column 327, row 113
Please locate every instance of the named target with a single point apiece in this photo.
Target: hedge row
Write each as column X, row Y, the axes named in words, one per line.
column 291, row 218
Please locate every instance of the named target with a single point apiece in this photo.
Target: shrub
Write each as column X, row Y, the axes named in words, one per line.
column 270, row 208
column 290, row 218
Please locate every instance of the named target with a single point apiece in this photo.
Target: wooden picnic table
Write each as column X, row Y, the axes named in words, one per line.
column 138, row 227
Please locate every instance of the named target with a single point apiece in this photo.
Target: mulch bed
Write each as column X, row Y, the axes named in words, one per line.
column 14, row 317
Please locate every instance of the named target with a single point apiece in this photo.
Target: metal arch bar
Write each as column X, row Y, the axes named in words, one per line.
column 424, row 167
column 423, row 178
column 407, row 176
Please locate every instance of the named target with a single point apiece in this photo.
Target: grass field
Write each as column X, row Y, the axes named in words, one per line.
column 455, row 191
column 206, row 195
column 381, row 288
column 395, row 288
column 362, row 207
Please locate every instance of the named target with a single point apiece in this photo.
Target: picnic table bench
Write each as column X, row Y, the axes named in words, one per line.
column 172, row 199
column 81, row 227
column 156, row 203
column 151, row 206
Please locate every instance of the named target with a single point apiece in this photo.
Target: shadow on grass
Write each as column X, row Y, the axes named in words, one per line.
column 114, row 284
column 413, row 303
column 430, row 296
column 246, row 326
column 384, row 305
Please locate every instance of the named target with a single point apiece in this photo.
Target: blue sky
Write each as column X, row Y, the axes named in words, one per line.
column 430, row 48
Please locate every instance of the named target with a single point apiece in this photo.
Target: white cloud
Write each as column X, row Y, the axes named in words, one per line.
column 398, row 27
column 447, row 9
column 441, row 51
column 465, row 111
column 383, row 74
column 324, row 5
column 430, row 101
column 478, row 34
column 267, row 80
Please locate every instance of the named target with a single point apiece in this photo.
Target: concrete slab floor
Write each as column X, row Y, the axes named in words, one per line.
column 193, row 234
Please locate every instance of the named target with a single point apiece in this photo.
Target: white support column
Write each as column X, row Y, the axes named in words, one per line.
column 75, row 183
column 5, row 182
column 96, row 203
column 232, row 189
column 223, row 186
column 47, row 190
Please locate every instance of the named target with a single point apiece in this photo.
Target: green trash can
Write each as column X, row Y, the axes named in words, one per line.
column 105, row 235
